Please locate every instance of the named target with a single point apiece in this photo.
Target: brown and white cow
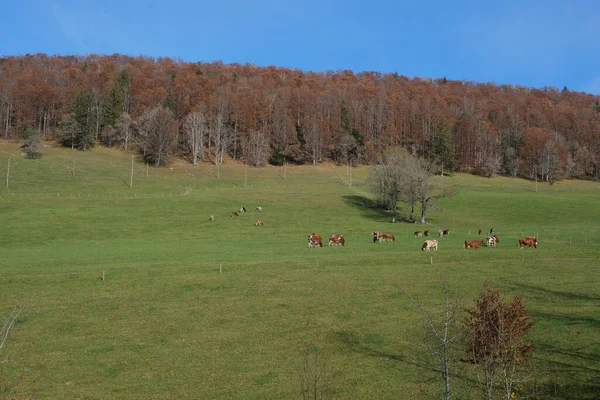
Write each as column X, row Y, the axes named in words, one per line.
column 258, row 223
column 443, row 232
column 382, row 237
column 315, row 240
column 234, row 214
column 387, row 236
column 426, row 233
column 474, row 244
column 418, row 234
column 337, row 240
column 528, row 241
column 496, row 238
column 430, row 244
column 490, row 241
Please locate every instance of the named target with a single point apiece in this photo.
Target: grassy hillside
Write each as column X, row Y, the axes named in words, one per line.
column 167, row 324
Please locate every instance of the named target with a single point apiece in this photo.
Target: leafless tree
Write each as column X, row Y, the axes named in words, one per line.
column 124, row 129
column 194, row 129
column 221, row 134
column 442, row 336
column 256, row 147
column 402, row 176
column 314, row 141
column 315, row 374
column 158, row 130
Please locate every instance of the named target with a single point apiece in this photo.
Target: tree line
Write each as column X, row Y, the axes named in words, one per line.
column 209, row 111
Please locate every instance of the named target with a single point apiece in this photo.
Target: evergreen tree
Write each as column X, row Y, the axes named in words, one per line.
column 443, row 149
column 85, row 120
column 115, row 104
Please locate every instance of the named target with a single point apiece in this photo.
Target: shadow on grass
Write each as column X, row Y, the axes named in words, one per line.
column 558, row 293
column 371, row 209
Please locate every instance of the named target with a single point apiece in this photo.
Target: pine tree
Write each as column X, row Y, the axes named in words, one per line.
column 442, row 147
column 115, row 104
column 85, row 119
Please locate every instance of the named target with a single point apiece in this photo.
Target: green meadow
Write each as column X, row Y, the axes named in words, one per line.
column 217, row 310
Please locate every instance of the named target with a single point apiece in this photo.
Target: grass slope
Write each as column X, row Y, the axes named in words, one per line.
column 167, row 324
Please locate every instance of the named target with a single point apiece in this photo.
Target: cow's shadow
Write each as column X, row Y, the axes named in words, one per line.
column 371, row 209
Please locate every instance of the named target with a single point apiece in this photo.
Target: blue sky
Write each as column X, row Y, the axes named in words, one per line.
column 532, row 43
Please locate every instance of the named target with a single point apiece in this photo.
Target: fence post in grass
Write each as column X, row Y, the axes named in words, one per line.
column 7, row 174
column 146, row 170
column 220, row 268
column 431, row 259
column 570, row 242
column 131, row 177
column 103, row 271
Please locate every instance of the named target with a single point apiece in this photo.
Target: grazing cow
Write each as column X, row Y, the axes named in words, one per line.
column 387, row 236
column 258, row 223
column 490, row 241
column 496, row 238
column 336, row 240
column 259, row 209
column 528, row 241
column 211, row 218
column 443, row 232
column 474, row 244
column 479, row 232
column 418, row 234
column 426, row 233
column 376, row 237
column 315, row 240
column 430, row 244
column 242, row 209
column 234, row 214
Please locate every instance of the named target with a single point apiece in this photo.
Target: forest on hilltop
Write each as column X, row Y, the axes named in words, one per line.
column 206, row 111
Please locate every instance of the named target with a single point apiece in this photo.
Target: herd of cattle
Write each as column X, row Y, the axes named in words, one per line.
column 316, row 240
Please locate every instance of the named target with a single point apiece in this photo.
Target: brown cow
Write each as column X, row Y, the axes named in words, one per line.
column 258, row 223
column 387, row 236
column 418, row 234
column 474, row 244
column 426, row 233
column 443, row 232
column 528, row 241
column 336, row 240
column 479, row 232
column 315, row 240
column 234, row 214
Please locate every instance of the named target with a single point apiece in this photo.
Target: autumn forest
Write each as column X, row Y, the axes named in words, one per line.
column 210, row 112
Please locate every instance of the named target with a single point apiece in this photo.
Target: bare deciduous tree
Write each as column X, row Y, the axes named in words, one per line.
column 256, row 147
column 314, row 373
column 195, row 129
column 442, row 336
column 124, row 129
column 158, row 130
column 402, row 176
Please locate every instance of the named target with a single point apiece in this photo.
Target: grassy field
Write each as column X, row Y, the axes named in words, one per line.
column 166, row 323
